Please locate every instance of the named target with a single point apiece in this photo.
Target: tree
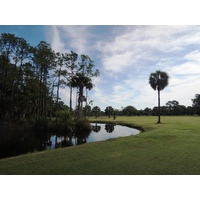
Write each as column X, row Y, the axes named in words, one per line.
column 190, row 110
column 83, row 79
column 147, row 111
column 129, row 111
column 71, row 67
column 196, row 104
column 59, row 73
column 174, row 108
column 109, row 111
column 44, row 60
column 16, row 77
column 158, row 81
column 87, row 110
column 96, row 110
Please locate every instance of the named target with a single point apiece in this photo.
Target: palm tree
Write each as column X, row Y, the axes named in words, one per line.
column 158, row 81
column 96, row 110
column 80, row 81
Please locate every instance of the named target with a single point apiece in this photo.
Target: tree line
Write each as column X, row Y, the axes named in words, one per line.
column 31, row 78
column 171, row 108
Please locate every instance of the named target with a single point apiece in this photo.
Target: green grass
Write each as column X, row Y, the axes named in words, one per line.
column 172, row 147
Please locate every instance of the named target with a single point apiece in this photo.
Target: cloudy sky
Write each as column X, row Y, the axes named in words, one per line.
column 125, row 56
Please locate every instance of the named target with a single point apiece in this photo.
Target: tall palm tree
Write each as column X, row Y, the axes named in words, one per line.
column 158, row 81
column 80, row 81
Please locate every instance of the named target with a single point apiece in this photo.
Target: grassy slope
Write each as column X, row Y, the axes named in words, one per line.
column 172, row 147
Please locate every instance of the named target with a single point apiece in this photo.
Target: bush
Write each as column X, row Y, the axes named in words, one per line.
column 65, row 118
column 83, row 125
column 82, row 129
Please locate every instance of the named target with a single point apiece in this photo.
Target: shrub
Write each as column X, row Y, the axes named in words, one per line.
column 83, row 125
column 65, row 118
column 82, row 129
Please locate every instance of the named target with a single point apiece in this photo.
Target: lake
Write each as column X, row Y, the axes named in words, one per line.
column 13, row 143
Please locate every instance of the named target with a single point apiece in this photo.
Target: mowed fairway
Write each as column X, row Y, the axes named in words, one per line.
column 172, row 147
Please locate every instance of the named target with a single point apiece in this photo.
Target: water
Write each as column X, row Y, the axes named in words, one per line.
column 100, row 132
column 108, row 131
column 14, row 143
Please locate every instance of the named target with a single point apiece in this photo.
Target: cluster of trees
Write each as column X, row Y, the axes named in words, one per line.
column 31, row 78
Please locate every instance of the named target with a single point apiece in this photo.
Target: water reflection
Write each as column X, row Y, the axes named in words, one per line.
column 96, row 128
column 16, row 142
column 82, row 136
column 63, row 139
column 66, row 142
column 109, row 128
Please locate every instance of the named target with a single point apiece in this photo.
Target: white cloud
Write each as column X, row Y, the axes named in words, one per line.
column 98, row 92
column 67, row 38
column 56, row 43
column 118, row 62
column 126, row 55
column 182, row 92
column 133, row 44
column 193, row 56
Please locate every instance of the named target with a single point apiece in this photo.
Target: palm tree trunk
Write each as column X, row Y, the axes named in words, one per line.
column 158, row 107
column 70, row 99
column 80, row 101
column 57, row 97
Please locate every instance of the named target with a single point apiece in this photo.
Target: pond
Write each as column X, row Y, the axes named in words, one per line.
column 13, row 143
column 107, row 131
column 99, row 132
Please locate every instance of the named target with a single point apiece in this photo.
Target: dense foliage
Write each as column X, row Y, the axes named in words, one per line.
column 31, row 77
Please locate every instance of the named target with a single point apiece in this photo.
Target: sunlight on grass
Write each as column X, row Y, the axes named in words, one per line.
column 168, row 148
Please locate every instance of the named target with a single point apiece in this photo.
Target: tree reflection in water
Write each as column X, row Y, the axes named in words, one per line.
column 109, row 128
column 66, row 142
column 67, row 138
column 96, row 128
column 81, row 136
column 20, row 141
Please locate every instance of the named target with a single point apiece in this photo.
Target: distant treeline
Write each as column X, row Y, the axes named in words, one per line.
column 171, row 108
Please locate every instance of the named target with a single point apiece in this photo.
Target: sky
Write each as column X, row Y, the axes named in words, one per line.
column 125, row 56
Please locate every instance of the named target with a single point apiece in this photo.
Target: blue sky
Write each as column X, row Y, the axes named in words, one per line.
column 125, row 56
